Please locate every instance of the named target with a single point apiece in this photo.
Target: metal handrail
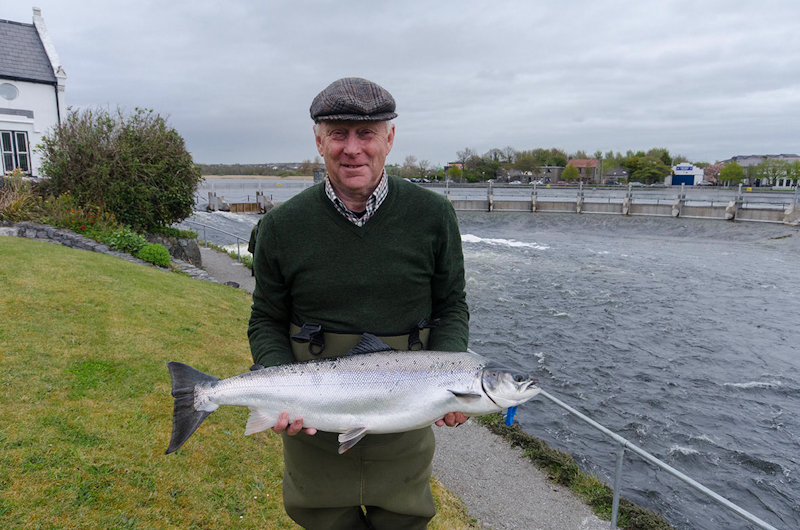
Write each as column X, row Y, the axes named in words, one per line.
column 238, row 249
column 625, row 444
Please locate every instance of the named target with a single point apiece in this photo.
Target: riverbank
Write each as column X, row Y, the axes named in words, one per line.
column 471, row 462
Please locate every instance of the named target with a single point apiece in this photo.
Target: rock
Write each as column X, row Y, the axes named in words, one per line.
column 180, row 249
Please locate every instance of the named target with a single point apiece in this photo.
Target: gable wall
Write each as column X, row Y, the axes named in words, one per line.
column 34, row 98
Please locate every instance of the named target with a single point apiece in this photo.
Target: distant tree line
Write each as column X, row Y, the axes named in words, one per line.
column 305, row 168
column 646, row 167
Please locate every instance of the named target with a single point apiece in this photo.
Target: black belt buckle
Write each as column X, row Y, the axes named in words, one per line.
column 313, row 335
column 414, row 342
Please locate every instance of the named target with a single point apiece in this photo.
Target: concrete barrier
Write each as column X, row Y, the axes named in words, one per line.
column 758, row 214
column 625, row 206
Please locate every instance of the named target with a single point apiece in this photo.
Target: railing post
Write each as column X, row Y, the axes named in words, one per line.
column 617, row 485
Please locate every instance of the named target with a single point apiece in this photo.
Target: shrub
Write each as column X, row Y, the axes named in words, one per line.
column 17, row 199
column 174, row 232
column 155, row 254
column 137, row 166
column 126, row 240
column 65, row 212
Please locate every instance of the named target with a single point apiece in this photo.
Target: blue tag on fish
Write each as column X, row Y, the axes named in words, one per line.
column 510, row 415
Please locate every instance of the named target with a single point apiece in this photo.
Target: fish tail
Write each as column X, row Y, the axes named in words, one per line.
column 185, row 419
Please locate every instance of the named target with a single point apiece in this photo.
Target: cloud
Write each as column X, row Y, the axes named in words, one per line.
column 705, row 79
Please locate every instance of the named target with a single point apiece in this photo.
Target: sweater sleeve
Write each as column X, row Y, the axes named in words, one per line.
column 449, row 299
column 269, row 320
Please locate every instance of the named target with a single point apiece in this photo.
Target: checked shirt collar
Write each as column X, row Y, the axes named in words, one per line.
column 373, row 201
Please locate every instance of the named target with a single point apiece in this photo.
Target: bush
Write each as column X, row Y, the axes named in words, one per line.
column 137, row 166
column 65, row 212
column 17, row 199
column 126, row 240
column 155, row 254
column 174, row 232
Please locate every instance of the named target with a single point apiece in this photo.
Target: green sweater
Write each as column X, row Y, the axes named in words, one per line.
column 313, row 265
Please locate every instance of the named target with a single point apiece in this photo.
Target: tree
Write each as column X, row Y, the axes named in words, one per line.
column 732, row 173
column 306, row 167
column 424, row 167
column 771, row 169
column 527, row 163
column 711, row 173
column 466, row 154
column 793, row 171
column 581, row 154
column 649, row 170
column 510, row 154
column 454, row 173
column 136, row 166
column 410, row 168
column 493, row 155
column 661, row 154
column 570, row 173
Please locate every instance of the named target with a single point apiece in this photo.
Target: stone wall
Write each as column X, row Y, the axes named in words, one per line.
column 182, row 249
column 71, row 239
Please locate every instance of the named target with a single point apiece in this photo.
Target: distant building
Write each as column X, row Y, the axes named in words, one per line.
column 616, row 175
column 685, row 173
column 587, row 167
column 31, row 91
column 548, row 174
column 750, row 162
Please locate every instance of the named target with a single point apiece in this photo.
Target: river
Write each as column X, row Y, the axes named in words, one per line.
column 679, row 334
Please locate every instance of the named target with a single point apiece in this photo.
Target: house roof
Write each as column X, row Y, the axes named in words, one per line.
column 583, row 162
column 617, row 172
column 754, row 160
column 22, row 54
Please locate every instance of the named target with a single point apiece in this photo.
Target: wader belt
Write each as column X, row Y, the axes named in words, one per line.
column 312, row 342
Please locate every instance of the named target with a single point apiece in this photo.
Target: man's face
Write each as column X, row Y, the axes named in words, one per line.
column 354, row 153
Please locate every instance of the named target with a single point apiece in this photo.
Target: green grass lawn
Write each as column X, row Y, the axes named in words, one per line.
column 85, row 407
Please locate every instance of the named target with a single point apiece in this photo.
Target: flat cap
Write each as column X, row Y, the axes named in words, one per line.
column 353, row 99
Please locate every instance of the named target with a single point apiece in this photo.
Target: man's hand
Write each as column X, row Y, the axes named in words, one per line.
column 283, row 425
column 452, row 419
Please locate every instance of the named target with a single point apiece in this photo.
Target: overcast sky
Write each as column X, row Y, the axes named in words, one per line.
column 705, row 79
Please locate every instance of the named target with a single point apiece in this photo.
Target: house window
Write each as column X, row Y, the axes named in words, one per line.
column 15, row 151
column 8, row 91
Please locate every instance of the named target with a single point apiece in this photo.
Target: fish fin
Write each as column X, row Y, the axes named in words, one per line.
column 369, row 343
column 468, row 396
column 185, row 418
column 258, row 421
column 350, row 438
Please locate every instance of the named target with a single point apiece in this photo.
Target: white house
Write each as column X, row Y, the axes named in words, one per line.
column 685, row 173
column 31, row 91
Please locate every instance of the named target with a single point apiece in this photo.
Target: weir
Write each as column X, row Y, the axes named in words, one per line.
column 633, row 204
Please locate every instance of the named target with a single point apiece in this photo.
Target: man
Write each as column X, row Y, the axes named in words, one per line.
column 360, row 252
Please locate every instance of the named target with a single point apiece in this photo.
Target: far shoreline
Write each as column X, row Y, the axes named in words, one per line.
column 257, row 177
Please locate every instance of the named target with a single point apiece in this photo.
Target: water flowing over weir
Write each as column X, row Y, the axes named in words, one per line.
column 679, row 334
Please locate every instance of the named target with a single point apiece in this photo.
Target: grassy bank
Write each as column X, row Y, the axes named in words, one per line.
column 85, row 410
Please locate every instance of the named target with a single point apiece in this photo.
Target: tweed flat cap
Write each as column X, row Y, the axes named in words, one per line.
column 353, row 99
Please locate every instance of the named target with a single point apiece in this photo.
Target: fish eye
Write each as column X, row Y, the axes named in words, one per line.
column 519, row 378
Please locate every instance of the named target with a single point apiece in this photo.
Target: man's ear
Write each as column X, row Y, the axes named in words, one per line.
column 390, row 139
column 318, row 139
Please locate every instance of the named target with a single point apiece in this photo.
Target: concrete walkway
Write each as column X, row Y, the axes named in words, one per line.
column 501, row 488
